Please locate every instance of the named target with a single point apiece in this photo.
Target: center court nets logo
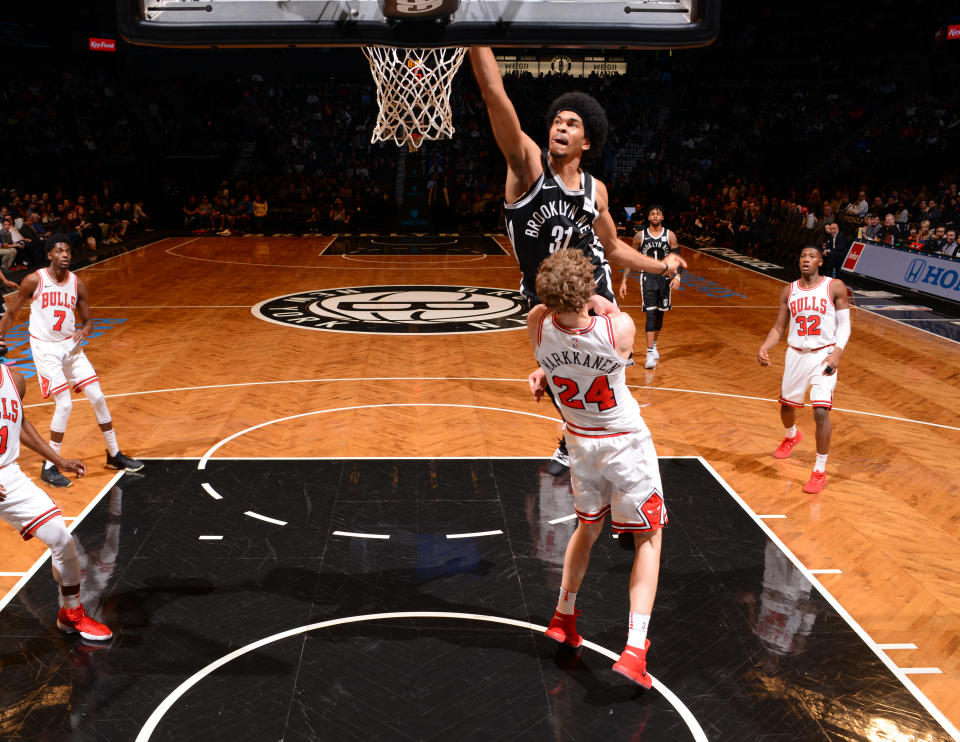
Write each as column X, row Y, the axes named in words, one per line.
column 424, row 310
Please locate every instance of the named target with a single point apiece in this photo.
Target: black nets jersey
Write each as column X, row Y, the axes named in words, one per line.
column 550, row 217
column 654, row 247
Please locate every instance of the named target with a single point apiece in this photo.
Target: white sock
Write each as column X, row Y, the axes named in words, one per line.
column 56, row 447
column 71, row 601
column 566, row 602
column 637, row 633
column 821, row 464
column 791, row 432
column 110, row 436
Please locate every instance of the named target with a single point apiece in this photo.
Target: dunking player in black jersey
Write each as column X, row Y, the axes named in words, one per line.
column 550, row 202
column 656, row 241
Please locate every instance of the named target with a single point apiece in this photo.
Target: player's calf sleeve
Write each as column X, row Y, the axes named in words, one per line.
column 63, row 552
column 659, row 321
column 98, row 402
column 64, row 406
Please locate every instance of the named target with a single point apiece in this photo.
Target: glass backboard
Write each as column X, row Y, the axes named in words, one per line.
column 646, row 24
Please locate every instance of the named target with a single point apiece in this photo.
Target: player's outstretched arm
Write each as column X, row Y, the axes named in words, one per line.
column 776, row 332
column 23, row 295
column 521, row 152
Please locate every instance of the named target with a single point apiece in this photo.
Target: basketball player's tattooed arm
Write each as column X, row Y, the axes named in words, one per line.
column 520, row 151
column 618, row 251
column 838, row 292
column 27, row 287
column 776, row 332
column 31, row 438
column 83, row 310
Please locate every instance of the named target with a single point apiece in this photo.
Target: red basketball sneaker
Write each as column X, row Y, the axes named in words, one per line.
column 563, row 628
column 786, row 446
column 818, row 481
column 633, row 665
column 76, row 621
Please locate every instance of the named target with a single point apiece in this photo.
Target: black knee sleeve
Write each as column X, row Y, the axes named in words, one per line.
column 654, row 320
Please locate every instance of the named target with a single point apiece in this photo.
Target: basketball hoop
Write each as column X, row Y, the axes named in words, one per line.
column 413, row 92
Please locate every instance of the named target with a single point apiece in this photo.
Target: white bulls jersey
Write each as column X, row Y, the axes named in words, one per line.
column 813, row 317
column 588, row 378
column 51, row 311
column 11, row 415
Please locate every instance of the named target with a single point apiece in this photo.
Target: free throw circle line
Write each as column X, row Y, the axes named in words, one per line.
column 213, row 449
column 153, row 721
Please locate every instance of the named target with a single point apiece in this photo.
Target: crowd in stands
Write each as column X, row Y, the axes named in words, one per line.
column 90, row 220
column 742, row 144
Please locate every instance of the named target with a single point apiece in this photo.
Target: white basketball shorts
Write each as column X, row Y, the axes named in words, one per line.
column 619, row 475
column 802, row 370
column 24, row 506
column 61, row 365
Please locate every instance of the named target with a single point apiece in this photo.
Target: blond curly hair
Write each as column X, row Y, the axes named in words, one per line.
column 565, row 281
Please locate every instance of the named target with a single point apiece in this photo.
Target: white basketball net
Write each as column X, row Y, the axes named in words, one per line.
column 413, row 92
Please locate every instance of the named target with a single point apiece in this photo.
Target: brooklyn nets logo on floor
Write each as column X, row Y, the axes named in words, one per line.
column 425, row 310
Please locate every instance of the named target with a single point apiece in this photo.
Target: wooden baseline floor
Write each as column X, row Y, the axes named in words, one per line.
column 191, row 365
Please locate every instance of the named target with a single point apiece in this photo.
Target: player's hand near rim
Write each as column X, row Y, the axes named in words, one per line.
column 31, row 438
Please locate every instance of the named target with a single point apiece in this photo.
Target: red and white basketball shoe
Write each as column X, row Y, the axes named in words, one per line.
column 818, row 480
column 76, row 621
column 786, row 446
column 633, row 665
column 563, row 628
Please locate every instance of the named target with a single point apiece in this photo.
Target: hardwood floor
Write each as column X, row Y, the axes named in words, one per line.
column 191, row 366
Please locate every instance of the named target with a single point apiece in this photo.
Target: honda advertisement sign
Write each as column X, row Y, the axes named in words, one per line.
column 937, row 275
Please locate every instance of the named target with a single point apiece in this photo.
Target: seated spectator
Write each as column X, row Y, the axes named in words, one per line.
column 339, row 218
column 871, row 227
column 935, row 241
column 11, row 247
column 260, row 209
column 890, row 233
column 191, row 214
column 950, row 247
column 34, row 236
column 204, row 211
column 140, row 217
column 859, row 206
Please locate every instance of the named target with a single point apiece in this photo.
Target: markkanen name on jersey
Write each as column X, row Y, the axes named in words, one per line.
column 557, row 208
column 576, row 358
column 425, row 310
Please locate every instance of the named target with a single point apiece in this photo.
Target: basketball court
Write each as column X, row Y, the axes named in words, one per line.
column 345, row 528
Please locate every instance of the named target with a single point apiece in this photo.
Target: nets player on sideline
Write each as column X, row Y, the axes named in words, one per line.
column 550, row 202
column 656, row 241
column 613, row 464
column 30, row 510
column 819, row 315
column 54, row 293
